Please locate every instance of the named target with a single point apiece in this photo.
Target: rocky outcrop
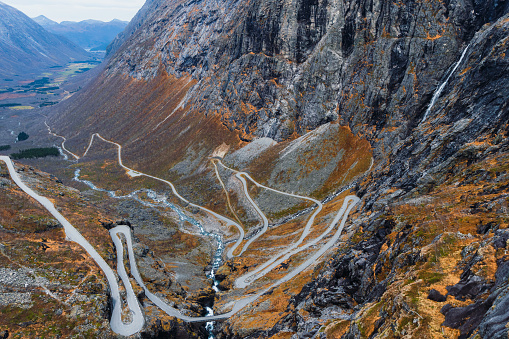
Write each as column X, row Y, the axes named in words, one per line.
column 485, row 313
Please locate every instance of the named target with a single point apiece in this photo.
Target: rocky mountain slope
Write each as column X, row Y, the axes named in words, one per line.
column 26, row 47
column 88, row 34
column 51, row 288
column 427, row 247
column 48, row 286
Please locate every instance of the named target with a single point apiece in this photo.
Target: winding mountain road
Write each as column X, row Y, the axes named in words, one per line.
column 74, row 235
column 132, row 172
column 266, row 267
column 63, row 140
column 137, row 322
column 229, row 254
column 349, row 202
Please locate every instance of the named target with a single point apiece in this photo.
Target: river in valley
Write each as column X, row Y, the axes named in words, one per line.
column 158, row 201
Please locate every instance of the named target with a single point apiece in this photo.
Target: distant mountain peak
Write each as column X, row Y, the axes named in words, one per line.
column 44, row 21
column 119, row 21
column 89, row 34
column 28, row 47
column 92, row 21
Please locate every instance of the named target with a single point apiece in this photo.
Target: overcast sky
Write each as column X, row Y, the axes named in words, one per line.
column 77, row 10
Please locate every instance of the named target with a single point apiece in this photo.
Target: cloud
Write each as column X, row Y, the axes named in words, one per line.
column 77, row 10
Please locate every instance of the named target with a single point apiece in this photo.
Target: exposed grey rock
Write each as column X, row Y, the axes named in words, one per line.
column 494, row 323
column 22, row 299
column 19, row 278
column 242, row 157
column 436, row 296
column 309, row 57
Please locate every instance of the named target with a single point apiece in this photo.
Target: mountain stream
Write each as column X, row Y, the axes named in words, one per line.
column 161, row 201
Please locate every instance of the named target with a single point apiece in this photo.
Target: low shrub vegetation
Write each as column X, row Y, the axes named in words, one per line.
column 22, row 136
column 35, row 153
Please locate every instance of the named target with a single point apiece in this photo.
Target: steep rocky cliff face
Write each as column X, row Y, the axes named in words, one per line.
column 427, row 248
column 273, row 68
